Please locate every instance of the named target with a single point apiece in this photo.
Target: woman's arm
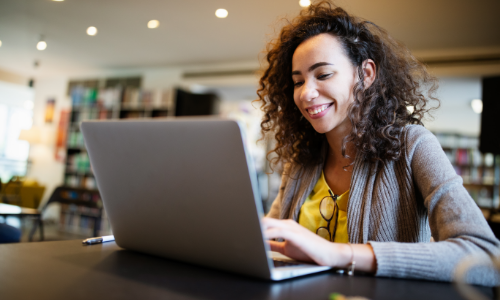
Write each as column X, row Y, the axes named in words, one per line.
column 302, row 244
column 457, row 224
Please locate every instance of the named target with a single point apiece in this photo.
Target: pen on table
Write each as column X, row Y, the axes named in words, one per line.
column 99, row 240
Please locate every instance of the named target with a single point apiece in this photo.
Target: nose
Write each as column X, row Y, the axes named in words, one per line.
column 309, row 91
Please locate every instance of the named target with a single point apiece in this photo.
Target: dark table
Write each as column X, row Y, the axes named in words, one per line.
column 69, row 270
column 8, row 210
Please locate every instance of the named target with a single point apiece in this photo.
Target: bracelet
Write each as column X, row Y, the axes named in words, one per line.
column 352, row 265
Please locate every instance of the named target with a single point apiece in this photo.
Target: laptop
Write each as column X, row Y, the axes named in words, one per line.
column 185, row 189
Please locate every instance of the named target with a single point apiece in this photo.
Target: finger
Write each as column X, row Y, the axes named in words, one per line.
column 270, row 222
column 277, row 246
column 293, row 252
column 274, row 233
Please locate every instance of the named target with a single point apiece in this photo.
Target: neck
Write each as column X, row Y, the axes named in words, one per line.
column 335, row 140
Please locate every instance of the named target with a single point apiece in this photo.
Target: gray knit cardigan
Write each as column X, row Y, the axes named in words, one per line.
column 397, row 207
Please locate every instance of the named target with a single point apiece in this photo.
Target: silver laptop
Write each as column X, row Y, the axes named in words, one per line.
column 185, row 189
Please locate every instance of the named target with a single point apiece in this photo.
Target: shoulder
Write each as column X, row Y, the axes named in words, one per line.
column 416, row 132
column 417, row 136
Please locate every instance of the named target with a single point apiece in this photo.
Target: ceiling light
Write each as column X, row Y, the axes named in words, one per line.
column 304, row 3
column 92, row 30
column 153, row 24
column 0, row 43
column 58, row 0
column 221, row 13
column 42, row 45
column 477, row 106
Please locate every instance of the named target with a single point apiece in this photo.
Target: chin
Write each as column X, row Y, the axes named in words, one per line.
column 321, row 129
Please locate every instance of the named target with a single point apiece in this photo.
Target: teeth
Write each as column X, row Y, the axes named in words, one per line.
column 317, row 110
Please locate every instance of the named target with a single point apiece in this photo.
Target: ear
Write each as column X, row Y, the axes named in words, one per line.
column 369, row 72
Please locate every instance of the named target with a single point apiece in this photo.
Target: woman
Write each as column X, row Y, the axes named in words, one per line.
column 364, row 182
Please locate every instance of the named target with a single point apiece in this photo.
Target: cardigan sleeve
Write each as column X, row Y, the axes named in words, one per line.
column 457, row 224
column 275, row 210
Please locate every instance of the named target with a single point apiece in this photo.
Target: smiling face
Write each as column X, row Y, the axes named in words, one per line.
column 323, row 78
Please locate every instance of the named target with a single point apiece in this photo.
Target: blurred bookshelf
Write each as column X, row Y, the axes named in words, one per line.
column 101, row 99
column 480, row 171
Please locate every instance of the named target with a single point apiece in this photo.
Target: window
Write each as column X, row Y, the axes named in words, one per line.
column 16, row 113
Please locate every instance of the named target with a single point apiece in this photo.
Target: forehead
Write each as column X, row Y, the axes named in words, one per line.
column 320, row 48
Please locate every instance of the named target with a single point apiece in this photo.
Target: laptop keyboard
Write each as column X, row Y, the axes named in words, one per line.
column 282, row 263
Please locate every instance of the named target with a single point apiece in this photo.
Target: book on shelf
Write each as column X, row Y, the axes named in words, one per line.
column 104, row 114
column 82, row 219
column 109, row 97
column 116, row 98
column 454, row 140
column 75, row 139
column 469, row 157
column 80, row 181
column 130, row 97
column 480, row 171
column 146, row 98
column 79, row 219
column 83, row 96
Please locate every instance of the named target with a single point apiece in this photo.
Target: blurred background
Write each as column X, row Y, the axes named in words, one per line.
column 65, row 61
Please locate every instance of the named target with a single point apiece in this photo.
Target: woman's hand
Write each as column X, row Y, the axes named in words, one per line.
column 302, row 244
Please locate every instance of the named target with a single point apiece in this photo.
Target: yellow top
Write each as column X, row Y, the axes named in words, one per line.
column 311, row 218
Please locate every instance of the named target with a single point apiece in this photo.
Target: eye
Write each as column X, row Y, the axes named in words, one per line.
column 298, row 83
column 324, row 76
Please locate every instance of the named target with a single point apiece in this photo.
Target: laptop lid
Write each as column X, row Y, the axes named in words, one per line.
column 183, row 188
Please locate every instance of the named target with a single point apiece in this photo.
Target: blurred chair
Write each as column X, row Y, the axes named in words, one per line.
column 22, row 192
column 81, row 202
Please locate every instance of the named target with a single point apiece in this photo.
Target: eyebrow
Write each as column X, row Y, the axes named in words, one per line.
column 311, row 68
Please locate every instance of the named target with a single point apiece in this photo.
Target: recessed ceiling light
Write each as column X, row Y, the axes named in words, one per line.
column 477, row 106
column 92, row 30
column 304, row 3
column 221, row 13
column 58, row 0
column 0, row 43
column 153, row 24
column 42, row 45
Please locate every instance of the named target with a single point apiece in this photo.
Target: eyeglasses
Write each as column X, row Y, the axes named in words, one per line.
column 328, row 208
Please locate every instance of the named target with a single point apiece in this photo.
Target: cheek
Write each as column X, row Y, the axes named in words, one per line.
column 344, row 93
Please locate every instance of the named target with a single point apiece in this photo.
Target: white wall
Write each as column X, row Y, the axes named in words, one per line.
column 45, row 168
column 455, row 114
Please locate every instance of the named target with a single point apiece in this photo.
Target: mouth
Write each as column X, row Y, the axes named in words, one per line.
column 318, row 111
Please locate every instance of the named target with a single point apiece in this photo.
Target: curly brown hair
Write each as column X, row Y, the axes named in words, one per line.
column 378, row 112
